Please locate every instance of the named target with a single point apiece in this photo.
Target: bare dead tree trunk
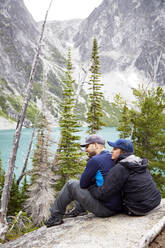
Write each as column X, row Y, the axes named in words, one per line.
column 26, row 160
column 11, row 164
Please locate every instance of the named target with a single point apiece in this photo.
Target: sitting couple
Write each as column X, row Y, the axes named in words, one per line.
column 116, row 182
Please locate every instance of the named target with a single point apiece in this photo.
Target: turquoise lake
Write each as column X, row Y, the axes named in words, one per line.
column 6, row 141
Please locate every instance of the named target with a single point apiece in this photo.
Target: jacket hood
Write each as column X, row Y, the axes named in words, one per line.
column 133, row 162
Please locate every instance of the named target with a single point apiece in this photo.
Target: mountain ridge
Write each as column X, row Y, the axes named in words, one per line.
column 131, row 49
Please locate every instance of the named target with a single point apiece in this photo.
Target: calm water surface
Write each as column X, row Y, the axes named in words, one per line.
column 6, row 141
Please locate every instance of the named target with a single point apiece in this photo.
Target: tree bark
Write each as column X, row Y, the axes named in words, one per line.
column 11, row 164
column 26, row 160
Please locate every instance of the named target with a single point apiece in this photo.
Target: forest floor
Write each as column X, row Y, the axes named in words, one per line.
column 159, row 241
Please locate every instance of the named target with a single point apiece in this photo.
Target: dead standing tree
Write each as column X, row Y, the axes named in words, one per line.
column 11, row 164
column 27, row 157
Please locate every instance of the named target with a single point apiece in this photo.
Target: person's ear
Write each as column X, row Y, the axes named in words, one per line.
column 96, row 146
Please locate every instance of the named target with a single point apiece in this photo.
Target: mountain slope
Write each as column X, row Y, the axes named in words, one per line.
column 18, row 42
column 131, row 41
column 130, row 36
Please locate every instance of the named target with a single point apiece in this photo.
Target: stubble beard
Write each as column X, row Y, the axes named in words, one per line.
column 91, row 154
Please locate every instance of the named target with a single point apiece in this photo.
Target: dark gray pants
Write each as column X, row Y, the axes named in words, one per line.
column 72, row 191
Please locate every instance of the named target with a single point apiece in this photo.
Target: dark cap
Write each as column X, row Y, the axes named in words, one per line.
column 93, row 138
column 124, row 144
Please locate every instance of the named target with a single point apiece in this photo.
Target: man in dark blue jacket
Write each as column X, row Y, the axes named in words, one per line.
column 131, row 177
column 98, row 165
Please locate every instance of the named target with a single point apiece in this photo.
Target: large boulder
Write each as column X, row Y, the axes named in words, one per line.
column 120, row 231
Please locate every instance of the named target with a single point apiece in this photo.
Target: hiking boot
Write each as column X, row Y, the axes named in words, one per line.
column 75, row 212
column 54, row 221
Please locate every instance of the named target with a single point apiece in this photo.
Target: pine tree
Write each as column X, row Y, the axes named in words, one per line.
column 41, row 192
column 125, row 125
column 147, row 121
column 95, row 112
column 15, row 202
column 24, row 191
column 69, row 163
column 148, row 134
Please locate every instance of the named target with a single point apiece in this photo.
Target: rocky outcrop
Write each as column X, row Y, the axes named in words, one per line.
column 130, row 34
column 131, row 43
column 120, row 231
column 19, row 36
column 18, row 41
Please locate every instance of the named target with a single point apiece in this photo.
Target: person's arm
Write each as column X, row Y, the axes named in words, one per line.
column 89, row 173
column 113, row 183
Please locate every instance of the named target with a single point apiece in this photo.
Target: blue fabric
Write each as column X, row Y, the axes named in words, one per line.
column 102, row 162
column 99, row 178
column 124, row 144
column 95, row 171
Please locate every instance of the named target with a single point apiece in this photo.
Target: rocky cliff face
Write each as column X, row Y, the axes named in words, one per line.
column 18, row 38
column 130, row 36
column 131, row 43
column 127, row 31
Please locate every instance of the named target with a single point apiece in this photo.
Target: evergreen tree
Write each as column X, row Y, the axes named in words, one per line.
column 95, row 112
column 69, row 164
column 125, row 125
column 40, row 192
column 147, row 124
column 15, row 202
column 40, row 156
column 24, row 191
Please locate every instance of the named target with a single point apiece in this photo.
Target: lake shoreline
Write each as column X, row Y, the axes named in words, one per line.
column 6, row 124
column 6, row 142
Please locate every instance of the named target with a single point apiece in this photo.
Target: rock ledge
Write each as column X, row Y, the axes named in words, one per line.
column 120, row 231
